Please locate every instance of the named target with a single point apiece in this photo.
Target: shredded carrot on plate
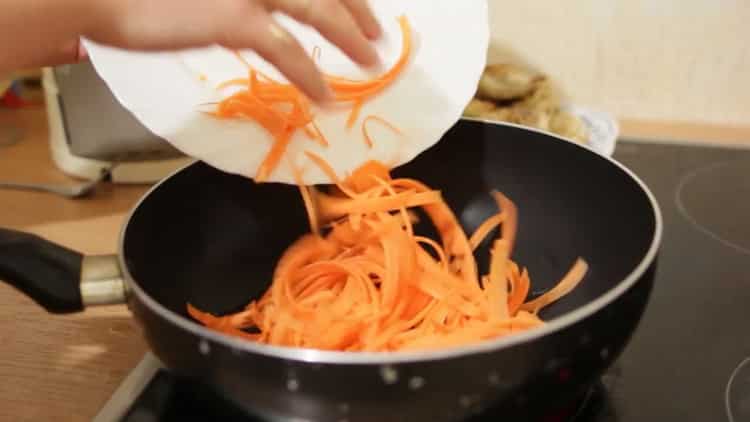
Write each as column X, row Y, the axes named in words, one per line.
column 282, row 110
column 365, row 280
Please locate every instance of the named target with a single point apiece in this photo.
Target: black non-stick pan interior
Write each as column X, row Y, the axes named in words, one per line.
column 212, row 239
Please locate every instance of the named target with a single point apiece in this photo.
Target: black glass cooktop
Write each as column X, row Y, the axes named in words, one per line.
column 688, row 360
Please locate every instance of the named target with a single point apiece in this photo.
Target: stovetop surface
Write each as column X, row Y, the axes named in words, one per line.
column 695, row 335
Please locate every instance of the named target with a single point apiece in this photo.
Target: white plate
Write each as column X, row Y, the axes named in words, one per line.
column 165, row 90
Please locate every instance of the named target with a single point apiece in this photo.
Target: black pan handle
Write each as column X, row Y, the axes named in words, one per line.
column 57, row 278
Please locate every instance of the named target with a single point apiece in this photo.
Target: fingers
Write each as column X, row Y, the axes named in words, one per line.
column 169, row 24
column 279, row 48
column 364, row 17
column 337, row 23
column 239, row 24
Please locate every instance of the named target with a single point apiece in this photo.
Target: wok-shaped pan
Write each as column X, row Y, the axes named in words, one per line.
column 212, row 239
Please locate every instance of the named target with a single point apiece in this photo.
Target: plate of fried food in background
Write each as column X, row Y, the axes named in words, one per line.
column 511, row 93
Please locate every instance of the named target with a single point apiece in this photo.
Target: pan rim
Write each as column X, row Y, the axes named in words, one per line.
column 394, row 358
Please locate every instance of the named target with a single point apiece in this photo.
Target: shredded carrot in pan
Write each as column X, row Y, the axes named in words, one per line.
column 364, row 280
column 282, row 110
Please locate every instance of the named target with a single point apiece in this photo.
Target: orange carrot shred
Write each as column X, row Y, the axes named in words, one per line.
column 316, row 52
column 568, row 283
column 519, row 293
column 307, row 200
column 375, row 286
column 366, row 134
column 484, row 229
column 319, row 135
column 282, row 110
column 354, row 114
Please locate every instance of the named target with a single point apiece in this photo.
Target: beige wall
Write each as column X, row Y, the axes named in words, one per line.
column 675, row 60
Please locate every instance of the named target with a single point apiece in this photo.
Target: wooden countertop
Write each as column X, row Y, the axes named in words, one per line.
column 61, row 368
column 64, row 368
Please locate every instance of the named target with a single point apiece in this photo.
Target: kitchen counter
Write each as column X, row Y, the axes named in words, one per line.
column 64, row 368
column 59, row 367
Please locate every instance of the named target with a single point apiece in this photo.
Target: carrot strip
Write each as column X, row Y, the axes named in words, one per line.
column 273, row 157
column 316, row 52
column 333, row 208
column 307, row 200
column 319, row 135
column 455, row 242
column 366, row 134
column 365, row 176
column 221, row 324
column 484, row 229
column 519, row 293
column 565, row 286
column 436, row 247
column 496, row 286
column 354, row 114
column 311, row 134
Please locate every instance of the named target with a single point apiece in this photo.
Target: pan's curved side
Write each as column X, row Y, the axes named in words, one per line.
column 572, row 202
column 516, row 383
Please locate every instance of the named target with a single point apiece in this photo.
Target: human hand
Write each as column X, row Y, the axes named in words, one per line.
column 175, row 24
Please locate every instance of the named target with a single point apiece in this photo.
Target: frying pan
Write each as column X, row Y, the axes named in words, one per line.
column 211, row 238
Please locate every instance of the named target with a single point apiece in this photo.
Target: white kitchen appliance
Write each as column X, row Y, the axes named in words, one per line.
column 91, row 132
